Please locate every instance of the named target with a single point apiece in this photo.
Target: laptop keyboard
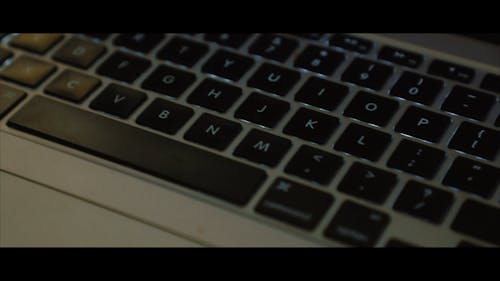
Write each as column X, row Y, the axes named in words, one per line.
column 335, row 137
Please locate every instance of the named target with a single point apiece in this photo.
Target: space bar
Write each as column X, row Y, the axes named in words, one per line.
column 130, row 146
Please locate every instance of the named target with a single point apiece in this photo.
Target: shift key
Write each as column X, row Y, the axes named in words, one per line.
column 124, row 144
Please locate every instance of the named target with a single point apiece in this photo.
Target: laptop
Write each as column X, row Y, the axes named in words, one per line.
column 249, row 140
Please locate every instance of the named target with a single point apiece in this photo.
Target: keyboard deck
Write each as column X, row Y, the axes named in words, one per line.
column 331, row 136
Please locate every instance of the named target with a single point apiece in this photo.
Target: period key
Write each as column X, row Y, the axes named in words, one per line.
column 294, row 203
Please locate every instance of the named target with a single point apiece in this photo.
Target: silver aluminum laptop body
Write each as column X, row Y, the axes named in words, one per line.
column 57, row 195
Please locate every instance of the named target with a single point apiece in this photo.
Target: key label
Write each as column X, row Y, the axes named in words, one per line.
column 262, row 146
column 371, row 106
column 212, row 130
column 318, row 158
column 118, row 98
column 310, row 124
column 423, row 121
column 262, row 109
column 79, row 51
column 164, row 114
column 214, row 93
column 369, row 175
column 283, row 186
column 360, row 141
column 168, row 79
column 72, row 84
column 228, row 62
column 273, row 77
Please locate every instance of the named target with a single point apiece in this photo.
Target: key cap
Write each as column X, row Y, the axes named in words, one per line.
column 263, row 148
column 165, row 116
column 357, row 225
column 473, row 177
column 468, row 103
column 400, row 56
column 451, row 71
column 396, row 243
column 233, row 40
column 491, row 82
column 424, row 202
column 38, row 43
column 213, row 131
column 319, row 60
column 28, row 71
column 118, row 100
column 9, row 98
column 272, row 46
column 140, row 42
column 183, row 51
column 417, row 159
column 367, row 74
column 314, row 165
column 100, row 36
column 4, row 55
column 423, row 124
column 363, row 142
column 124, row 67
column 79, row 52
column 158, row 156
column 294, row 203
column 263, row 110
column 169, row 81
column 476, row 140
column 311, row 125
column 215, row 95
column 322, row 93
column 310, row 36
column 368, row 183
column 351, row 43
column 371, row 108
column 479, row 221
column 417, row 88
column 274, row 79
column 228, row 65
column 73, row 86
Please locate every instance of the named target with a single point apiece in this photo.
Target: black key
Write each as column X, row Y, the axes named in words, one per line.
column 169, row 81
column 357, row 225
column 314, row 165
column 418, row 88
column 263, row 110
column 294, row 203
column 118, row 100
column 141, row 42
column 396, row 243
column 38, row 43
column 371, row 108
column 213, row 131
column 4, row 55
column 368, row 183
column 320, row 60
column 423, row 201
column 363, row 142
column 138, row 149
column 228, row 65
column 183, row 51
column 233, row 40
column 215, row 95
column 79, row 52
column 468, row 103
column 367, row 74
column 322, row 93
column 423, row 124
column 28, row 71
column 9, row 98
column 479, row 221
column 451, row 71
column 263, row 148
column 491, row 82
column 124, row 67
column 274, row 79
column 476, row 140
column 473, row 177
column 401, row 57
column 311, row 125
column 100, row 36
column 165, row 116
column 272, row 46
column 351, row 43
column 310, row 36
column 417, row 159
column 72, row 85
